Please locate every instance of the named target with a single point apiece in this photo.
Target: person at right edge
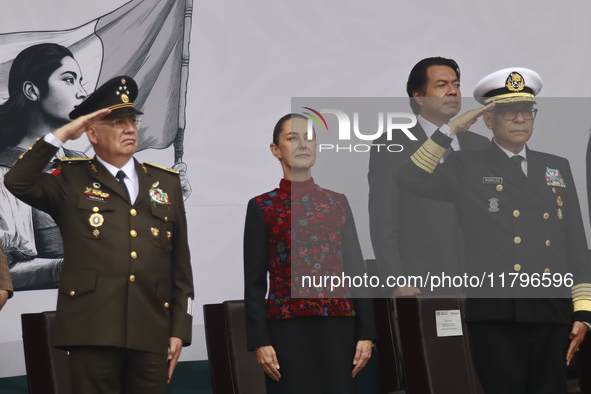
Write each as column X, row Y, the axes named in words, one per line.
column 519, row 212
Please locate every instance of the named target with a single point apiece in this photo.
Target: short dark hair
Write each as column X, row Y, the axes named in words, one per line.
column 279, row 126
column 417, row 79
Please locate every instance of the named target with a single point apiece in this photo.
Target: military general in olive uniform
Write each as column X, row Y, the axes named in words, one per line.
column 125, row 300
column 520, row 214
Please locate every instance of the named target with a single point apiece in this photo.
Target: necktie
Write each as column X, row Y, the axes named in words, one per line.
column 121, row 176
column 517, row 160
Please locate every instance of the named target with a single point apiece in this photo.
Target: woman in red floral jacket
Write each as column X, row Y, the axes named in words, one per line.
column 307, row 338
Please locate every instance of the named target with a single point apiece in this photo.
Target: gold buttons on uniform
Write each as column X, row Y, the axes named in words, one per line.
column 72, row 293
column 95, row 209
column 29, row 148
column 499, row 188
column 133, row 255
column 20, row 157
column 166, row 218
column 516, row 213
column 547, row 242
column 547, row 271
column 133, row 212
column 517, row 267
column 546, row 216
column 133, row 233
column 132, row 278
column 166, row 305
column 517, row 240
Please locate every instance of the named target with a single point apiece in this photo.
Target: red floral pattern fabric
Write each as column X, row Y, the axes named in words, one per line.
column 304, row 223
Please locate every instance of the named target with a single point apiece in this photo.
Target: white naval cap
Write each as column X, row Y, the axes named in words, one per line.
column 509, row 85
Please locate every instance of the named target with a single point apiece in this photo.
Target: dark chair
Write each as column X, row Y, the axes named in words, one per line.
column 234, row 370
column 387, row 344
column 47, row 367
column 433, row 364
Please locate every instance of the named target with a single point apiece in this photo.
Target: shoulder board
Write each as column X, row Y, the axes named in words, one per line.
column 162, row 168
column 74, row 159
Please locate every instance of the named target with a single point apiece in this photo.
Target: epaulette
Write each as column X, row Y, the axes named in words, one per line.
column 162, row 168
column 73, row 160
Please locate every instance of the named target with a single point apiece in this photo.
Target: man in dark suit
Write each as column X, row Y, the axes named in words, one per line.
column 520, row 213
column 125, row 300
column 401, row 224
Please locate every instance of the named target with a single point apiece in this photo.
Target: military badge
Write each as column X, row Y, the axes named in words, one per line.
column 155, row 231
column 559, row 213
column 559, row 201
column 169, row 235
column 553, row 178
column 96, row 194
column 158, row 196
column 96, row 220
column 96, row 185
column 493, row 204
column 515, row 82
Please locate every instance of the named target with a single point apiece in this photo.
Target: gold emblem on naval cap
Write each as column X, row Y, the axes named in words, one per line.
column 124, row 98
column 515, row 82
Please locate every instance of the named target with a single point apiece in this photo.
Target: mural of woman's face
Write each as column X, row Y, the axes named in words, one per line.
column 65, row 91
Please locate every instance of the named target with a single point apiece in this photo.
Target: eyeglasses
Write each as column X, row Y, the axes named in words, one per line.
column 511, row 114
column 119, row 123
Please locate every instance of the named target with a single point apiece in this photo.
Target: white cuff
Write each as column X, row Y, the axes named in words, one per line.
column 447, row 131
column 53, row 140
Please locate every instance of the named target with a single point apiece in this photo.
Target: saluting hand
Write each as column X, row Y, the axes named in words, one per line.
column 77, row 127
column 362, row 355
column 462, row 123
column 267, row 357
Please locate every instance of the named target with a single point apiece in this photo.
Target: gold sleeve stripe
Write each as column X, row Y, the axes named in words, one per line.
column 582, row 290
column 428, row 156
column 426, row 166
column 426, row 161
column 581, row 304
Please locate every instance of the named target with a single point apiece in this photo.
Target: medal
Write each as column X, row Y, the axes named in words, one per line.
column 493, row 204
column 154, row 231
column 96, row 220
column 158, row 196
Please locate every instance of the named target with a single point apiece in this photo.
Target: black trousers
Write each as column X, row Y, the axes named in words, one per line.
column 520, row 358
column 113, row 370
column 315, row 355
